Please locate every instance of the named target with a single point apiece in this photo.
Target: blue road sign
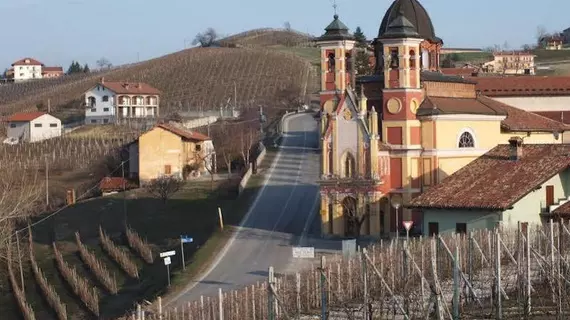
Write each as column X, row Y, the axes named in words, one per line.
column 186, row 239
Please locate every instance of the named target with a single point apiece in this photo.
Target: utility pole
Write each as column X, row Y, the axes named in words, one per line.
column 124, row 194
column 47, row 182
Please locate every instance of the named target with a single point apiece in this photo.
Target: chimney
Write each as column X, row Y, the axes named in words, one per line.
column 516, row 151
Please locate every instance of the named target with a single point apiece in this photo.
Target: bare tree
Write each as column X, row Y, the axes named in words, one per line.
column 206, row 38
column 540, row 33
column 104, row 63
column 164, row 187
column 249, row 136
column 355, row 218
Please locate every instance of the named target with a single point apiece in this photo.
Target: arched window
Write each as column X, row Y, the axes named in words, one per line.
column 412, row 59
column 105, row 98
column 394, row 59
column 466, row 140
column 348, row 166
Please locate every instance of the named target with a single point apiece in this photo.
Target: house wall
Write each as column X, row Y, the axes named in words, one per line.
column 49, row 127
column 20, row 130
column 552, row 103
column 448, row 219
column 26, row 72
column 159, row 148
column 102, row 112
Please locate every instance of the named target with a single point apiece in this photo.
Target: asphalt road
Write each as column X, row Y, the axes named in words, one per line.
column 283, row 213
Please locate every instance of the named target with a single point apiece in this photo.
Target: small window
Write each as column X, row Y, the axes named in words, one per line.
column 12, row 125
column 198, row 147
column 105, row 120
column 461, row 228
column 466, row 140
column 105, row 109
column 38, row 125
column 394, row 59
column 53, row 125
column 167, row 169
column 433, row 229
column 93, row 121
column 412, row 59
column 93, row 110
column 105, row 98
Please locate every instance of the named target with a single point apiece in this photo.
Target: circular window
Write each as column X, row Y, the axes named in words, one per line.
column 394, row 106
column 414, row 105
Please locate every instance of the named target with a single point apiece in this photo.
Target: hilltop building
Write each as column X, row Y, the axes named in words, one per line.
column 114, row 101
column 511, row 63
column 552, row 42
column 388, row 137
column 32, row 127
column 30, row 69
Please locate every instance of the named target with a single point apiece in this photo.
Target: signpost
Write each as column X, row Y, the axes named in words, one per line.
column 408, row 226
column 304, row 252
column 183, row 240
column 167, row 261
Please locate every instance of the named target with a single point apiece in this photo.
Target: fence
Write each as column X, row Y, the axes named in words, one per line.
column 491, row 274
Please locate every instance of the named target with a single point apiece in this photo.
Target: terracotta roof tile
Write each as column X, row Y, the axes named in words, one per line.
column 523, row 86
column 25, row 116
column 516, row 119
column 52, row 69
column 115, row 184
column 563, row 210
column 122, row 87
column 494, row 181
column 459, row 71
column 31, row 62
column 560, row 116
column 191, row 135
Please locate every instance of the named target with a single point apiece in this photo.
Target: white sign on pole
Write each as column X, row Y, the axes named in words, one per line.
column 167, row 253
column 167, row 261
column 304, row 252
column 408, row 225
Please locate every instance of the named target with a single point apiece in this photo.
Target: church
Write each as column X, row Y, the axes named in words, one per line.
column 388, row 137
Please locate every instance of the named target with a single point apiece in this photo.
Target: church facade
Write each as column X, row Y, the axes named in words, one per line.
column 388, row 137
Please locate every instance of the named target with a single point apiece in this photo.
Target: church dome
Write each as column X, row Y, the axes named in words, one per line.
column 414, row 13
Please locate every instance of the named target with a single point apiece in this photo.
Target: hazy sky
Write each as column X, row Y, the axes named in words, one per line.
column 58, row 31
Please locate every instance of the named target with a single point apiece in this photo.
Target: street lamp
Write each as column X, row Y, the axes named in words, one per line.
column 396, row 204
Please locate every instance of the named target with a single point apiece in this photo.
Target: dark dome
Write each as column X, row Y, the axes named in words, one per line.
column 415, row 13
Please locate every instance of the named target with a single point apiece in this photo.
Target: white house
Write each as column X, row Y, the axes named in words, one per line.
column 511, row 63
column 111, row 101
column 26, row 69
column 33, row 126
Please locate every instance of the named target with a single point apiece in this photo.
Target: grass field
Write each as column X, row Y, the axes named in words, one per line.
column 551, row 55
column 192, row 211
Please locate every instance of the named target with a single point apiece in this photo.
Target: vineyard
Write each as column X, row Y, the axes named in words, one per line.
column 269, row 37
column 205, row 78
column 488, row 274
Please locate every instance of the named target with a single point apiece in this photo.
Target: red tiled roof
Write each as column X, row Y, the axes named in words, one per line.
column 191, row 135
column 52, row 69
column 115, row 184
column 459, row 71
column 494, row 181
column 563, row 210
column 560, row 116
column 121, row 87
column 523, row 86
column 25, row 116
column 32, row 62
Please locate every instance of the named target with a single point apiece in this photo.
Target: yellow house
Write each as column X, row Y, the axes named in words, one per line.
column 169, row 150
column 388, row 137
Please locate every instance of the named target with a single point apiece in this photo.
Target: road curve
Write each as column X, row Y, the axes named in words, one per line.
column 282, row 213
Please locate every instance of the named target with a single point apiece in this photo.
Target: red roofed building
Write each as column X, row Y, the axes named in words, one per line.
column 112, row 101
column 110, row 185
column 32, row 126
column 29, row 69
column 552, row 42
column 511, row 63
column 170, row 150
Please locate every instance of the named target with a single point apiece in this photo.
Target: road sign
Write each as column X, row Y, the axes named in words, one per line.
column 408, row 225
column 348, row 247
column 304, row 252
column 167, row 261
column 186, row 239
column 167, row 253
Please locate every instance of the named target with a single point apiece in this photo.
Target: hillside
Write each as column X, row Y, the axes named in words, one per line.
column 269, row 37
column 190, row 79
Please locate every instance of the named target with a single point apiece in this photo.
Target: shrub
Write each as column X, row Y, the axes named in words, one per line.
column 80, row 286
column 118, row 254
column 98, row 269
column 140, row 246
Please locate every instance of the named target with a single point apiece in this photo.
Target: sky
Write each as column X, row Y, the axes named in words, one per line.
column 59, row 31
